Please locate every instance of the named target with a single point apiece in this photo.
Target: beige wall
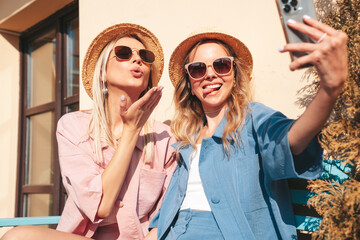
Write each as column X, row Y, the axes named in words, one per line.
column 257, row 25
column 9, row 114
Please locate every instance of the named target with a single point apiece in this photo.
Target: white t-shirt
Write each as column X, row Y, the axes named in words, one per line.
column 195, row 197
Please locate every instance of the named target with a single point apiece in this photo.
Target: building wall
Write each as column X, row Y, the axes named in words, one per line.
column 257, row 25
column 9, row 115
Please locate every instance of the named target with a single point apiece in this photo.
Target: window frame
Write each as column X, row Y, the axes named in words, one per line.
column 59, row 20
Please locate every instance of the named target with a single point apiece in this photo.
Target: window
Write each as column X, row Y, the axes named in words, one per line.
column 49, row 88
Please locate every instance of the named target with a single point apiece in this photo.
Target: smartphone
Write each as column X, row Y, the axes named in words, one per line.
column 295, row 9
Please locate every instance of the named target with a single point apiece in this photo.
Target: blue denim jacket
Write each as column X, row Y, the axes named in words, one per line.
column 247, row 191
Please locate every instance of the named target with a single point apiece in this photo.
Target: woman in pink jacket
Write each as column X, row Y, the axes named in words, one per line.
column 116, row 163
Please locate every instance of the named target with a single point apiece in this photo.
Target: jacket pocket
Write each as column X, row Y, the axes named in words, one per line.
column 151, row 185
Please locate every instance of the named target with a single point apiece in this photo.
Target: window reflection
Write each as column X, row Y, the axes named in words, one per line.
column 41, row 70
column 39, row 168
column 72, row 42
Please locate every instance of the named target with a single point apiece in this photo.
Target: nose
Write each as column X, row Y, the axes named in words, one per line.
column 210, row 73
column 136, row 57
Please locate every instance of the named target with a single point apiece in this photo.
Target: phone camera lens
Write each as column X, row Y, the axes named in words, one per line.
column 287, row 8
column 284, row 1
column 294, row 3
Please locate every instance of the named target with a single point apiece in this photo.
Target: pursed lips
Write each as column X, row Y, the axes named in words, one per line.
column 136, row 72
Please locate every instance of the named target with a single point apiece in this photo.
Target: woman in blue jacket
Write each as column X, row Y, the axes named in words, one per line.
column 235, row 156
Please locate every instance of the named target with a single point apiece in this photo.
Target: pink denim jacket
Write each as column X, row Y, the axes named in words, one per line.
column 143, row 189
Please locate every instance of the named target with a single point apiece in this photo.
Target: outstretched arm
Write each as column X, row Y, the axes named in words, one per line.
column 114, row 175
column 329, row 56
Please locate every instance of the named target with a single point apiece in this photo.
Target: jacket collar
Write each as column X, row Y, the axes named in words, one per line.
column 220, row 128
column 185, row 152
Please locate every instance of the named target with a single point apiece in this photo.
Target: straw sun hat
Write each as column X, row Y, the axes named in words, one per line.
column 149, row 40
column 176, row 64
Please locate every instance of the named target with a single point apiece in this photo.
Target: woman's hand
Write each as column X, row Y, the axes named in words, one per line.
column 329, row 55
column 137, row 114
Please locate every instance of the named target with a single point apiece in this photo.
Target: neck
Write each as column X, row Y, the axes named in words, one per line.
column 213, row 119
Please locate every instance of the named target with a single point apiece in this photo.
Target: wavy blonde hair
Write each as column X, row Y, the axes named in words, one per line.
column 99, row 122
column 188, row 119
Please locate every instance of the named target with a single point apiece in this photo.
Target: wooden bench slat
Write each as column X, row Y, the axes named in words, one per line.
column 300, row 196
column 304, row 210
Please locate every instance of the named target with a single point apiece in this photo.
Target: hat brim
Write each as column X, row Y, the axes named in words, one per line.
column 149, row 40
column 176, row 64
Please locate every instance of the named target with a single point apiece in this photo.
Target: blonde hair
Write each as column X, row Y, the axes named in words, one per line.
column 99, row 122
column 188, row 119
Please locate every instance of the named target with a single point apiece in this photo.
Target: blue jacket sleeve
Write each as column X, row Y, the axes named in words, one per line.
column 272, row 128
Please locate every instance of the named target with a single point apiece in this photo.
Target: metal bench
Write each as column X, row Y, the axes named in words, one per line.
column 307, row 219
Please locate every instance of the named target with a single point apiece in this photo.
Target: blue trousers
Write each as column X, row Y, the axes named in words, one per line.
column 195, row 225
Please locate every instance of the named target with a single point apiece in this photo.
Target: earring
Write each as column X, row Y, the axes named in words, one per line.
column 104, row 88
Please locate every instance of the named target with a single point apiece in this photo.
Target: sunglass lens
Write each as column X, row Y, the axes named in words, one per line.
column 197, row 70
column 123, row 52
column 147, row 55
column 222, row 65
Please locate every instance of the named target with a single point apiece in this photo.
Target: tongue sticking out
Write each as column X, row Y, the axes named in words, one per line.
column 211, row 88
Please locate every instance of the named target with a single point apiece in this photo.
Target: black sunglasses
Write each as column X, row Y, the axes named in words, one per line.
column 221, row 66
column 125, row 53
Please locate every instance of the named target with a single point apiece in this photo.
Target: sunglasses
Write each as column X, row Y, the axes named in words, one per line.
column 125, row 53
column 221, row 66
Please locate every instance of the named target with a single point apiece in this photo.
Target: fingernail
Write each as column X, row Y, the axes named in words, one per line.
column 161, row 88
column 306, row 17
column 281, row 49
column 155, row 89
column 291, row 21
column 122, row 98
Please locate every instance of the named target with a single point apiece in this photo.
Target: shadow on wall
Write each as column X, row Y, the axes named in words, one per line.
column 11, row 37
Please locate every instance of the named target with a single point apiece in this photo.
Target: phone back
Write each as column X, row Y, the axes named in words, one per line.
column 295, row 9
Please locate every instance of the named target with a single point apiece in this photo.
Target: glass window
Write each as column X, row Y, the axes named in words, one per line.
column 50, row 88
column 41, row 69
column 38, row 162
column 38, row 205
column 72, row 42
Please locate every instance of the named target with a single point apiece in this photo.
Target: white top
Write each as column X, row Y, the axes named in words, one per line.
column 195, row 197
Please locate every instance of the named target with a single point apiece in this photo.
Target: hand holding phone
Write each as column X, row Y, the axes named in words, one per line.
column 295, row 10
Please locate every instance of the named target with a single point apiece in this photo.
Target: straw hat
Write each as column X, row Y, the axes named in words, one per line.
column 149, row 40
column 176, row 64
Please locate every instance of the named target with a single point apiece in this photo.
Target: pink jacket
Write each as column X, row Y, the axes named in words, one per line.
column 143, row 189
